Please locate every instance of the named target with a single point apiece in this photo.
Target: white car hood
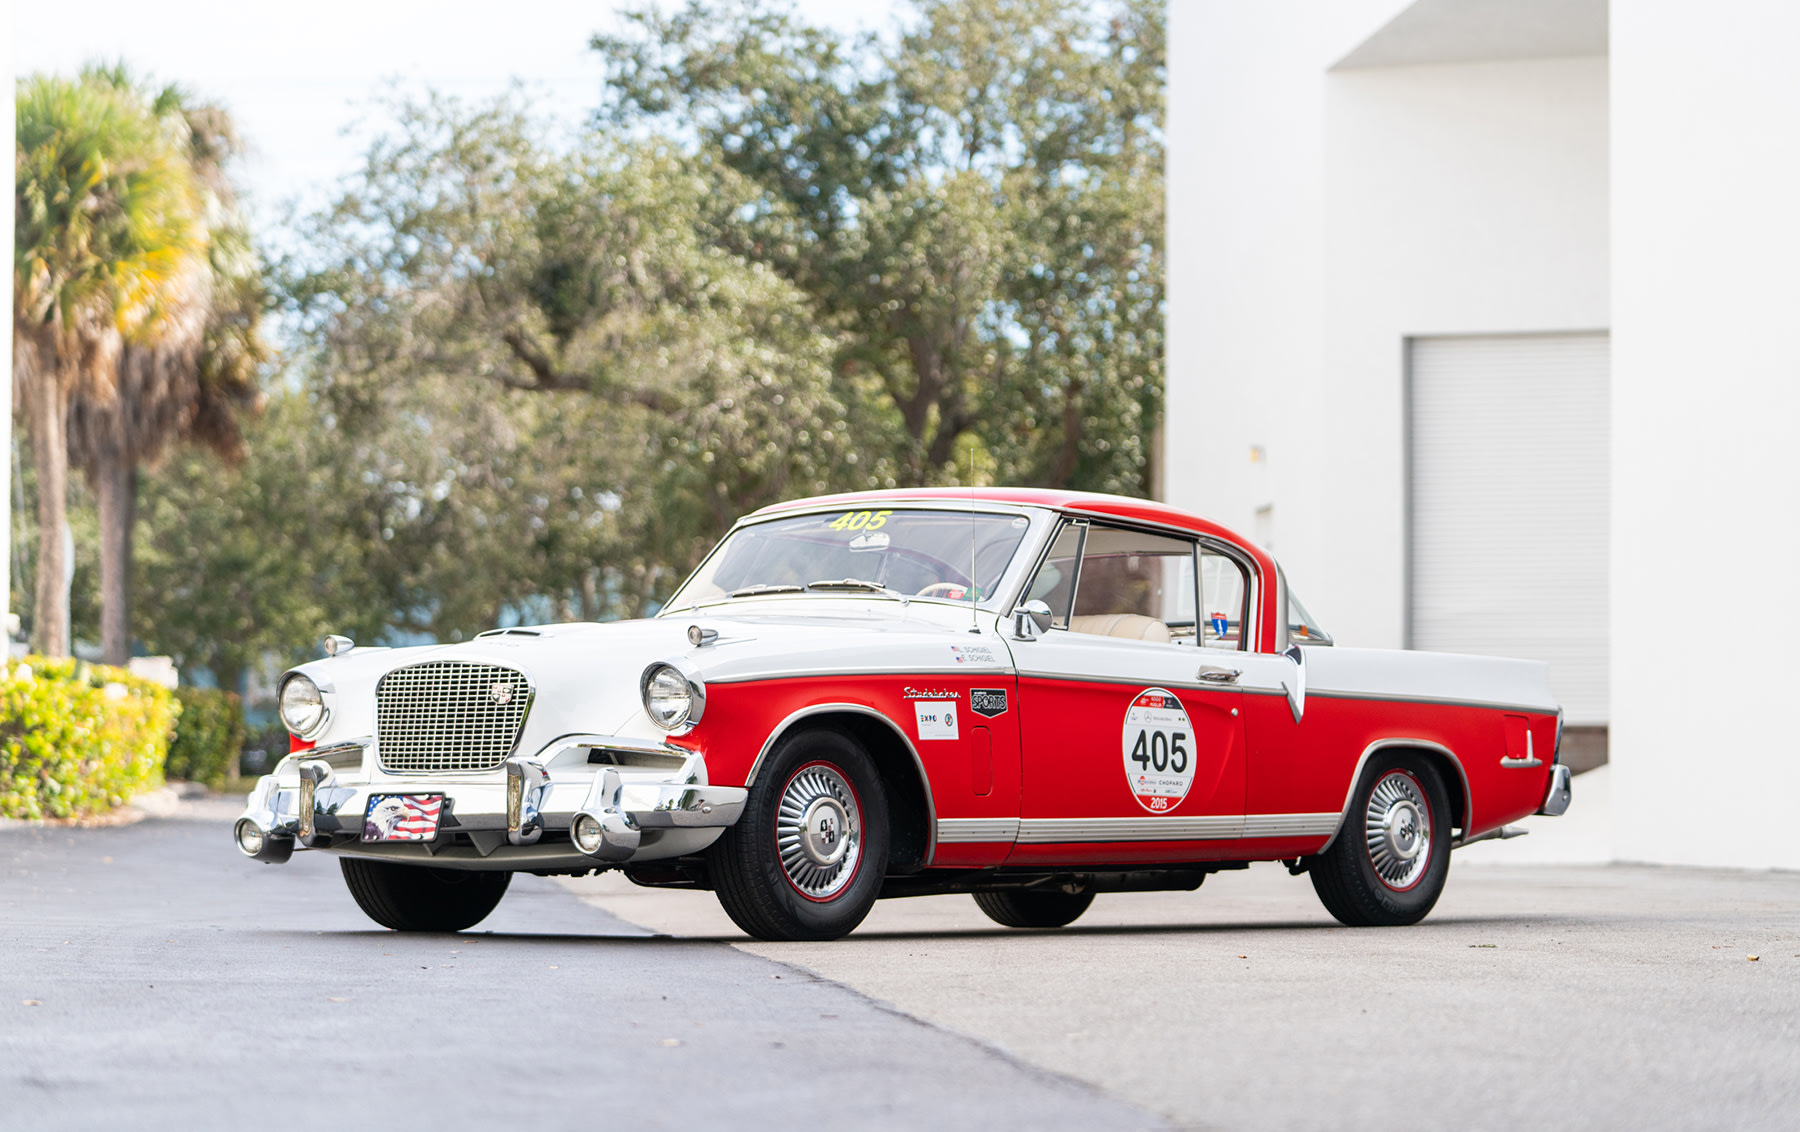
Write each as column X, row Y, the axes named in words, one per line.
column 585, row 677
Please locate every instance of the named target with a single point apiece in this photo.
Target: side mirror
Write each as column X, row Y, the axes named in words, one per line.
column 1295, row 682
column 1031, row 621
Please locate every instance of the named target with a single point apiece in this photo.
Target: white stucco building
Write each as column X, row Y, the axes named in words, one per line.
column 1485, row 316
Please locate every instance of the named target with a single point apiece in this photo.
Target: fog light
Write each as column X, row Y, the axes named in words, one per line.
column 249, row 838
column 587, row 833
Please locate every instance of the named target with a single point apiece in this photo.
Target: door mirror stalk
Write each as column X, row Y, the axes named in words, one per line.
column 1031, row 621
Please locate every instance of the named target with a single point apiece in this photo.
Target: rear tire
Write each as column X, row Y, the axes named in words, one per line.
column 416, row 898
column 808, row 857
column 1034, row 909
column 1388, row 864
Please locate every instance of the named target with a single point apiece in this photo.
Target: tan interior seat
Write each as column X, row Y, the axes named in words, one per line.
column 1130, row 626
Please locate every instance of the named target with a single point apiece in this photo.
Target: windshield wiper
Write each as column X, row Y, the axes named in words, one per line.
column 848, row 584
column 764, row 588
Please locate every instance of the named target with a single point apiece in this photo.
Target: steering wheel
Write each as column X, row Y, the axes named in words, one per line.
column 955, row 591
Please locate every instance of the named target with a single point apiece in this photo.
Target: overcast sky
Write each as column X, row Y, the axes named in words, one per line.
column 299, row 76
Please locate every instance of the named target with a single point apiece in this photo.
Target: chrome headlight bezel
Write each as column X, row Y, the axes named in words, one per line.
column 308, row 727
column 661, row 680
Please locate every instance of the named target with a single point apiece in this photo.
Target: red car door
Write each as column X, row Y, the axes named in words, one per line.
column 1132, row 739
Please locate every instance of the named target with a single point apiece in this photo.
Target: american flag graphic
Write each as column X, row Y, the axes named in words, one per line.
column 402, row 817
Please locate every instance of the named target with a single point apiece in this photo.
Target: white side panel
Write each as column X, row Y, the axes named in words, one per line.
column 1509, row 493
column 1398, row 674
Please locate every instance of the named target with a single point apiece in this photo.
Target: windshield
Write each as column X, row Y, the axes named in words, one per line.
column 928, row 554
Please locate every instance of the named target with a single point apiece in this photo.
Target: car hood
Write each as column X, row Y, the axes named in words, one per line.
column 585, row 677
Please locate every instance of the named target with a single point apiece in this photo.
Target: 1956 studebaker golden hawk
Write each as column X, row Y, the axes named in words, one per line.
column 1030, row 696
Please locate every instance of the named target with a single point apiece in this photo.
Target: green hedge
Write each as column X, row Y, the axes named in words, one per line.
column 208, row 736
column 78, row 739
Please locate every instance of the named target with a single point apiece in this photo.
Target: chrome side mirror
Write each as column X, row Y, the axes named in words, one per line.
column 1031, row 621
column 1294, row 683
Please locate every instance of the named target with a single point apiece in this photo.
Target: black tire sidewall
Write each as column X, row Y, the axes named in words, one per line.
column 755, row 889
column 1345, row 877
column 419, row 898
column 1411, row 905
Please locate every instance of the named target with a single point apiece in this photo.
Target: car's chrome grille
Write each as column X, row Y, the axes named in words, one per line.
column 449, row 715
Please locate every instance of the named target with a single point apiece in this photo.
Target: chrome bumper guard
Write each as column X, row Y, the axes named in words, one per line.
column 605, row 810
column 1558, row 797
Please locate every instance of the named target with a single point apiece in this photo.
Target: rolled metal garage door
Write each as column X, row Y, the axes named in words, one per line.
column 1508, row 474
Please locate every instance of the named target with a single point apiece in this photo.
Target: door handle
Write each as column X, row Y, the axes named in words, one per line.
column 1212, row 674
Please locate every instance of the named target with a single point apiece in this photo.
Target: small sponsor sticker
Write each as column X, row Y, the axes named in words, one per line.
column 987, row 701
column 1221, row 625
column 1158, row 742
column 936, row 718
column 972, row 654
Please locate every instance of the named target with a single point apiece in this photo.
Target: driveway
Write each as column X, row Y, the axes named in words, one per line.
column 155, row 979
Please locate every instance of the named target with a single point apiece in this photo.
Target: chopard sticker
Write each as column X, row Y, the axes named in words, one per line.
column 972, row 654
column 987, row 701
column 1159, row 756
column 936, row 718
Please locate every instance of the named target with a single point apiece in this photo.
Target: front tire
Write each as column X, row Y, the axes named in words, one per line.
column 1034, row 909
column 1388, row 864
column 807, row 858
column 416, row 898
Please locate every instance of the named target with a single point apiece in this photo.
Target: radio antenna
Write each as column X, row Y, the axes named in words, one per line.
column 974, row 590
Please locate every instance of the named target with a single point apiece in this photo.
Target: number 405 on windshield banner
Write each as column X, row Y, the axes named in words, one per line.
column 1159, row 761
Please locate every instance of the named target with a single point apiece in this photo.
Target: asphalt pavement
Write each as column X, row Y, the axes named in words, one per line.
column 155, row 979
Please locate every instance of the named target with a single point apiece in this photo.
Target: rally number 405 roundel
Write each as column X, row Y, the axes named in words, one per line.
column 1159, row 750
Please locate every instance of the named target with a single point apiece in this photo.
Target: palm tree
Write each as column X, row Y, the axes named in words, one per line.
column 108, row 242
column 190, row 381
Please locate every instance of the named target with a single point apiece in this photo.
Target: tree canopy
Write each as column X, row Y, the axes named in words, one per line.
column 537, row 366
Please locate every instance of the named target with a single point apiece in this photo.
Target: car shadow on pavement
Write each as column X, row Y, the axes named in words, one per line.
column 1119, row 930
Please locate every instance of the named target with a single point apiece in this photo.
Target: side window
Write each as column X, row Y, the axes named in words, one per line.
column 1222, row 596
column 1136, row 586
column 1055, row 581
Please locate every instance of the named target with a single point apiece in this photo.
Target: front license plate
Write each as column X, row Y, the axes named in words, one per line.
column 402, row 817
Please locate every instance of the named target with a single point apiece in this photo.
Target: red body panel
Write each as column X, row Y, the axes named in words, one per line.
column 1056, row 754
column 1068, row 761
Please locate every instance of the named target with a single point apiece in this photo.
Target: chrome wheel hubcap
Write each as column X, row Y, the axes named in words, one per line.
column 1398, row 827
column 818, row 832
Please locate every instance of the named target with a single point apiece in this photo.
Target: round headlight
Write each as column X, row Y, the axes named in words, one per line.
column 668, row 697
column 302, row 708
column 249, row 838
column 588, row 835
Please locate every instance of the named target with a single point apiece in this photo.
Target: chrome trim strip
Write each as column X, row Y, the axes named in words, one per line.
column 1382, row 744
column 562, row 743
column 886, row 670
column 1126, row 682
column 1290, row 825
column 1396, row 697
column 1517, row 764
column 1224, row 827
column 964, row 831
column 781, row 729
column 1050, row 831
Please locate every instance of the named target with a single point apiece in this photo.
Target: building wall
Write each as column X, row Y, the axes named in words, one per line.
column 1317, row 218
column 1246, row 266
column 1706, row 390
column 1468, row 198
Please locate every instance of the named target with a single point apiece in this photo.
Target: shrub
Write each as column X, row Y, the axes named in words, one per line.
column 208, row 736
column 78, row 739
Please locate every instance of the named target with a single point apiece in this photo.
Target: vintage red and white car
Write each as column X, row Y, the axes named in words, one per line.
column 1031, row 696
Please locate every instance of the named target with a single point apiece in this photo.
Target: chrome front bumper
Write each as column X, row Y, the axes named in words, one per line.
column 554, row 810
